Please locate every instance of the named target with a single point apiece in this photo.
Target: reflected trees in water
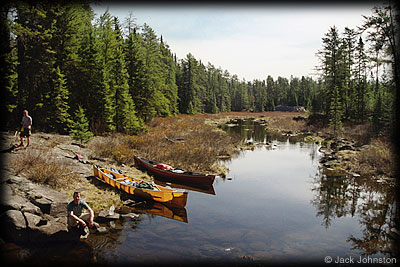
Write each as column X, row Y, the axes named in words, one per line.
column 374, row 203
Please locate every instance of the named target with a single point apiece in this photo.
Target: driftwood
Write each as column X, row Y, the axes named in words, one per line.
column 179, row 139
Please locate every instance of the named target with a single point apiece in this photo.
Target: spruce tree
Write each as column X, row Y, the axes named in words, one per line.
column 336, row 111
column 57, row 105
column 8, row 66
column 169, row 88
column 361, row 82
column 79, row 127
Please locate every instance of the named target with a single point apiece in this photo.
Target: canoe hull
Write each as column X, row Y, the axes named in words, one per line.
column 162, row 194
column 193, row 179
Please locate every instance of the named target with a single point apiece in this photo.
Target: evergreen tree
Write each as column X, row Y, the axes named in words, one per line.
column 79, row 127
column 294, row 88
column 270, row 92
column 361, row 82
column 169, row 88
column 383, row 29
column 57, row 105
column 331, row 58
column 189, row 88
column 36, row 57
column 348, row 92
column 336, row 110
column 259, row 95
column 86, row 89
column 118, row 110
column 211, row 85
column 8, row 66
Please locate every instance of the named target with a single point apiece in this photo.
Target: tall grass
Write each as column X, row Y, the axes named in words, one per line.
column 184, row 141
column 280, row 124
column 44, row 168
column 377, row 159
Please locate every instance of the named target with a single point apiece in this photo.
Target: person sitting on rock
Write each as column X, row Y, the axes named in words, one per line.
column 75, row 215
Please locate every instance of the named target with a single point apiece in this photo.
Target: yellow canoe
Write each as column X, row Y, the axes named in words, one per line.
column 141, row 188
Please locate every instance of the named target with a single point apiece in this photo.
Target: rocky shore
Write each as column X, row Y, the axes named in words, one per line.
column 31, row 212
column 35, row 213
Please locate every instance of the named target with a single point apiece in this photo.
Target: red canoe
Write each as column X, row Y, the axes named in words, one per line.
column 174, row 174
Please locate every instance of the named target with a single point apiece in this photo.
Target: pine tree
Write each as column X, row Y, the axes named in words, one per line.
column 188, row 88
column 348, row 91
column 211, row 85
column 260, row 95
column 361, row 82
column 36, row 57
column 169, row 88
column 57, row 105
column 79, row 127
column 87, row 89
column 336, row 111
column 8, row 66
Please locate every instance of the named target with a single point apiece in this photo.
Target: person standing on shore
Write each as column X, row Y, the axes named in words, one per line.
column 26, row 128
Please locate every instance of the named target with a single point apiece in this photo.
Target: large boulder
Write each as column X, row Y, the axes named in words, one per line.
column 16, row 202
column 31, row 212
column 46, row 228
column 14, row 226
column 48, row 200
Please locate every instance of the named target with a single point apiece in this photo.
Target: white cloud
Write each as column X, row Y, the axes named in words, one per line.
column 252, row 41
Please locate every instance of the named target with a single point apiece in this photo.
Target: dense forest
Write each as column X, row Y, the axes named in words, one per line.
column 62, row 63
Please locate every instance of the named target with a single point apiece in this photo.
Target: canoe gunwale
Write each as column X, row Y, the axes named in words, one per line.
column 188, row 177
column 172, row 196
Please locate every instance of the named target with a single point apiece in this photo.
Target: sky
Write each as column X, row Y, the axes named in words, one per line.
column 251, row 41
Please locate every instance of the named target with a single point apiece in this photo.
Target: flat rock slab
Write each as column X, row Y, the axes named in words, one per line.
column 105, row 215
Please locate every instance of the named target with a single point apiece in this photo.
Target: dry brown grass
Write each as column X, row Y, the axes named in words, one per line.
column 361, row 133
column 184, row 141
column 280, row 124
column 44, row 168
column 378, row 159
column 114, row 147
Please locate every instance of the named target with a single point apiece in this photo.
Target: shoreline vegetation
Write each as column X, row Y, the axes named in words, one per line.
column 192, row 142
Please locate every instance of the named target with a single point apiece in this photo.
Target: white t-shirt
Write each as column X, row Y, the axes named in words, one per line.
column 26, row 121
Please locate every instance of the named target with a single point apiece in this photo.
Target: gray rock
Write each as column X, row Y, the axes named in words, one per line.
column 132, row 216
column 102, row 230
column 33, row 220
column 33, row 213
column 48, row 200
column 14, row 226
column 104, row 215
column 16, row 218
column 15, row 202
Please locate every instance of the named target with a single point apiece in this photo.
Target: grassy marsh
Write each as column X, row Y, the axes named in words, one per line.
column 192, row 142
column 184, row 141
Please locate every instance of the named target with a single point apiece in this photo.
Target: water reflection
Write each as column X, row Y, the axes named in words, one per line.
column 175, row 213
column 203, row 189
column 255, row 132
column 373, row 203
column 278, row 207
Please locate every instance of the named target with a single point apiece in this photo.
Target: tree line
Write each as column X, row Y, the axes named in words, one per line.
column 61, row 63
column 359, row 72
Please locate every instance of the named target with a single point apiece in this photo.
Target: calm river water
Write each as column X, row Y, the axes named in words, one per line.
column 275, row 206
